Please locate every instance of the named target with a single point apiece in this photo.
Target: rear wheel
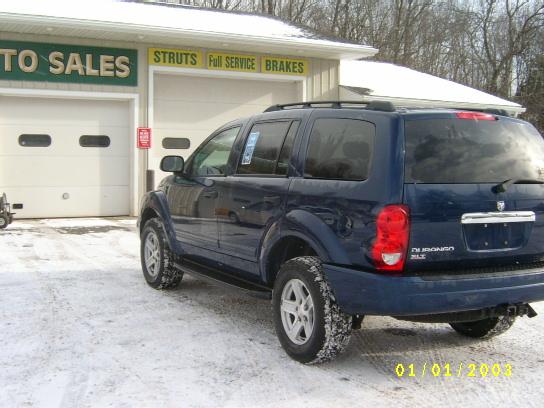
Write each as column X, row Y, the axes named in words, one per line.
column 486, row 328
column 4, row 221
column 309, row 324
column 157, row 259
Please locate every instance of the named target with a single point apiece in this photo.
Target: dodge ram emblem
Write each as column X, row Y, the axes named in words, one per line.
column 500, row 205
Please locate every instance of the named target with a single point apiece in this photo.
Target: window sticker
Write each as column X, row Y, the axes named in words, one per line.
column 250, row 147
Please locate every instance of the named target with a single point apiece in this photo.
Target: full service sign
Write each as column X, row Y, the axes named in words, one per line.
column 232, row 62
column 227, row 61
column 26, row 61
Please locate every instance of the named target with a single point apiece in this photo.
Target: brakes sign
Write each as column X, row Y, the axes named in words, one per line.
column 144, row 138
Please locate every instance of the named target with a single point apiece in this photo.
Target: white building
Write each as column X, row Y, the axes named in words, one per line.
column 78, row 79
column 405, row 87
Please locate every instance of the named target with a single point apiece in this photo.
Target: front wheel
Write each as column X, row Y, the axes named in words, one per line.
column 309, row 324
column 486, row 328
column 157, row 259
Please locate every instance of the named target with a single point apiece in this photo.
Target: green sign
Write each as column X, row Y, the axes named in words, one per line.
column 25, row 61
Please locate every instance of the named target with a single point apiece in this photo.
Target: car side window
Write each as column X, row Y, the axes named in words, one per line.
column 212, row 158
column 340, row 149
column 263, row 147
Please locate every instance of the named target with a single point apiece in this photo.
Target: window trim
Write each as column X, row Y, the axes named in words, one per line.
column 34, row 134
column 268, row 175
column 205, row 143
column 308, row 140
column 292, row 148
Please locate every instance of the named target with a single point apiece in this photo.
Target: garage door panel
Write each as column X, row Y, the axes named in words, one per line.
column 77, row 112
column 44, row 202
column 171, row 113
column 64, row 140
column 68, row 171
column 220, row 90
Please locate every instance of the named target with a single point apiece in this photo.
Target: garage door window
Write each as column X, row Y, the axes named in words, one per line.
column 176, row 143
column 35, row 140
column 263, row 147
column 94, row 141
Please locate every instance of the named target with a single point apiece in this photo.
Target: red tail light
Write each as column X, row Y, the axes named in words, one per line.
column 475, row 116
column 392, row 232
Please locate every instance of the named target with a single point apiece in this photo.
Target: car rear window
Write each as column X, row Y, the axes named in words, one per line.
column 469, row 151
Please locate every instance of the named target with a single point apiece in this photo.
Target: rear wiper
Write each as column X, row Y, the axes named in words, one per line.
column 503, row 186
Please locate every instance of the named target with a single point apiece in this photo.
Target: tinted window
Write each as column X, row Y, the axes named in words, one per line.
column 286, row 149
column 94, row 141
column 262, row 149
column 176, row 143
column 340, row 149
column 468, row 151
column 35, row 140
column 212, row 159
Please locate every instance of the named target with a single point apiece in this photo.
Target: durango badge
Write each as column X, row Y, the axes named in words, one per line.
column 500, row 205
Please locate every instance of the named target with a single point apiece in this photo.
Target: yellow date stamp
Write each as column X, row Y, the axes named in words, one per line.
column 469, row 370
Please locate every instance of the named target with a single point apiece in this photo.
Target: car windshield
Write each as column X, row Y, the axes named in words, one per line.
column 469, row 151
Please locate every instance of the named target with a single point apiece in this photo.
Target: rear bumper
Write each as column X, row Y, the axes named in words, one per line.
column 367, row 293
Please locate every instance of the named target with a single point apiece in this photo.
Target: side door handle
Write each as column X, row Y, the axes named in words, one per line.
column 210, row 194
column 274, row 200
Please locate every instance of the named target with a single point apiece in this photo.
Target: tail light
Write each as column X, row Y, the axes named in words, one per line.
column 475, row 116
column 392, row 232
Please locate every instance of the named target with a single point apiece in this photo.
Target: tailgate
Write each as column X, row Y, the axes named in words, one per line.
column 460, row 220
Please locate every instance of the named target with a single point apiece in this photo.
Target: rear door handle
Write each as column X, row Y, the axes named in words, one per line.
column 211, row 194
column 274, row 200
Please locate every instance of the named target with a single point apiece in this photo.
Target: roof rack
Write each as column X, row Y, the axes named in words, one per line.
column 371, row 105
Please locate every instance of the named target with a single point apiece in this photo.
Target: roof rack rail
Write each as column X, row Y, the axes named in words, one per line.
column 370, row 105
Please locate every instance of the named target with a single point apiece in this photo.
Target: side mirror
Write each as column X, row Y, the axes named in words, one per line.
column 172, row 164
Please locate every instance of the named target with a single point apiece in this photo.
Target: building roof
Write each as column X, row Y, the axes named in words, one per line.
column 155, row 23
column 407, row 87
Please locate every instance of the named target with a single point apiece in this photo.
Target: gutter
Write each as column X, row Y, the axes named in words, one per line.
column 337, row 50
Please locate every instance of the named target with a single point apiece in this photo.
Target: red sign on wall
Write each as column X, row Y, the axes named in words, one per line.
column 144, row 138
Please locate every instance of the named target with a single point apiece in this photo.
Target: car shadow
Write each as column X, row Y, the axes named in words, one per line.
column 381, row 338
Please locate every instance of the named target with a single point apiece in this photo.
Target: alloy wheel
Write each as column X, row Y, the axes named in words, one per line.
column 297, row 311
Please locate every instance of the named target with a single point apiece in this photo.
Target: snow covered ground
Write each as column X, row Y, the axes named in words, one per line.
column 79, row 327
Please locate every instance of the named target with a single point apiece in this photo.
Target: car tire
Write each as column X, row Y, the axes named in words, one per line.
column 233, row 217
column 156, row 257
column 486, row 328
column 4, row 221
column 328, row 327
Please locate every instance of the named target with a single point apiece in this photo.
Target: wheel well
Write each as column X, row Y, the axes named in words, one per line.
column 287, row 248
column 146, row 216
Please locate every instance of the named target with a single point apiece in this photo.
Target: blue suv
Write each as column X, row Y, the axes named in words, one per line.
column 337, row 210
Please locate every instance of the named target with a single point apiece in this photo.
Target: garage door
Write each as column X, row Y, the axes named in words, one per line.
column 64, row 158
column 193, row 107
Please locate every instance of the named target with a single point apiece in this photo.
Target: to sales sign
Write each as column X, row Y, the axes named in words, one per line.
column 144, row 138
column 25, row 61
